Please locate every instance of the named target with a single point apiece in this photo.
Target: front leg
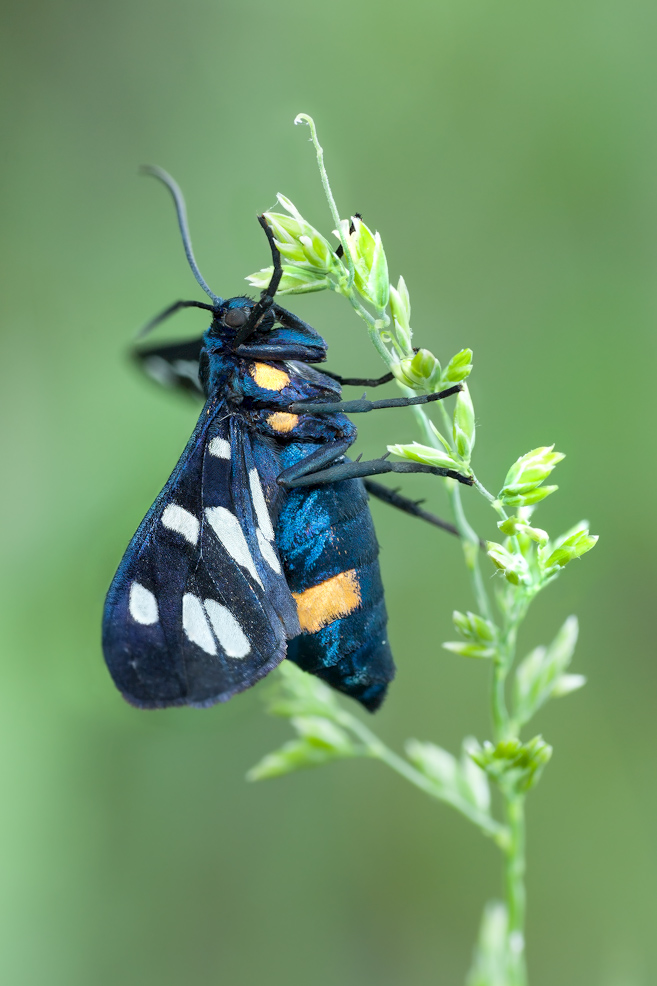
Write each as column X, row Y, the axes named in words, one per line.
column 358, row 381
column 363, row 405
column 313, row 463
column 412, row 507
column 291, row 478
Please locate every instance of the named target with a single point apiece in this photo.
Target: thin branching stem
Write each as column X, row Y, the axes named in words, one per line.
column 344, row 239
column 374, row 747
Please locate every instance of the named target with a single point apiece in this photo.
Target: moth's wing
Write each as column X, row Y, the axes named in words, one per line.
column 175, row 365
column 241, row 500
column 196, row 611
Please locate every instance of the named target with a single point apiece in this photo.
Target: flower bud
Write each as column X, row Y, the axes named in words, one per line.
column 514, row 526
column 513, row 566
column 464, row 424
column 298, row 241
column 528, row 499
column 572, row 547
column 474, row 627
column 400, row 304
column 419, row 372
column 426, row 454
column 529, row 471
column 371, row 266
column 458, row 368
column 295, row 280
column 567, row 683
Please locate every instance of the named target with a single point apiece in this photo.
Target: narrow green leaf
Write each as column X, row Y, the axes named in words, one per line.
column 469, row 650
column 475, row 782
column 537, row 675
column 435, row 763
column 491, row 965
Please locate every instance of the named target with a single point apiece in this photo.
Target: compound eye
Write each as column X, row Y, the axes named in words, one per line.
column 236, row 318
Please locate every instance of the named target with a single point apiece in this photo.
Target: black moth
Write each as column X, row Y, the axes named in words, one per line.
column 261, row 544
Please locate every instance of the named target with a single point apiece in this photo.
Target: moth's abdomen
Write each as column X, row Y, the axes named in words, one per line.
column 329, row 551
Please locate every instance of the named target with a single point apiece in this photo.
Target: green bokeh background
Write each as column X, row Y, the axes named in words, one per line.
column 507, row 153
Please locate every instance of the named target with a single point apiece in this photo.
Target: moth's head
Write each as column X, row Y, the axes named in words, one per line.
column 232, row 316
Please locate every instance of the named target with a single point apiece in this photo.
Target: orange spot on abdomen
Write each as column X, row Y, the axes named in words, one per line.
column 268, row 377
column 282, row 422
column 328, row 601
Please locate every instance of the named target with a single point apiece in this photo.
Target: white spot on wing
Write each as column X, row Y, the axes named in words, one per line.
column 268, row 553
column 227, row 630
column 143, row 605
column 258, row 497
column 178, row 519
column 188, row 368
column 227, row 528
column 220, row 448
column 158, row 368
column 195, row 623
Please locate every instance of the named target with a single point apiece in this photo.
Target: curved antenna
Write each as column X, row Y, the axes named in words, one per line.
column 181, row 211
column 171, row 310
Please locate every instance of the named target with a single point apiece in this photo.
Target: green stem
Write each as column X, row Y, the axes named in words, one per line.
column 471, row 549
column 346, row 246
column 378, row 750
column 515, row 889
column 499, row 712
column 514, row 802
column 469, row 538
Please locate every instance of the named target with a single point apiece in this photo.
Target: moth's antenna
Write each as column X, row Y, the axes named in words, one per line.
column 181, row 210
column 171, row 310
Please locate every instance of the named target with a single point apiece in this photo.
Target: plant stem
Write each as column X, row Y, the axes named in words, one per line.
column 514, row 801
column 503, row 728
column 335, row 215
column 515, row 888
column 470, row 542
column 378, row 750
column 499, row 710
column 469, row 538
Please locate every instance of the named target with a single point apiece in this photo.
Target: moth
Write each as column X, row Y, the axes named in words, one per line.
column 261, row 545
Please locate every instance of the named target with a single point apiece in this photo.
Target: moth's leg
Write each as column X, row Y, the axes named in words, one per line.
column 358, row 381
column 290, row 320
column 266, row 300
column 361, row 381
column 314, row 462
column 372, row 467
column 411, row 507
column 363, row 405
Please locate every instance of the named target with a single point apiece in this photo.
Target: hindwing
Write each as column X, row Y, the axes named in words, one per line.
column 173, row 365
column 199, row 608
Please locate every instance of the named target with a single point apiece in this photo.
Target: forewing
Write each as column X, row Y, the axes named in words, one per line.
column 195, row 612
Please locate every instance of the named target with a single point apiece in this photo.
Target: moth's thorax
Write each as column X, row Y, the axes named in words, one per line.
column 217, row 371
column 261, row 391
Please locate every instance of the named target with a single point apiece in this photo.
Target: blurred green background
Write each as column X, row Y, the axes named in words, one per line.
column 507, row 154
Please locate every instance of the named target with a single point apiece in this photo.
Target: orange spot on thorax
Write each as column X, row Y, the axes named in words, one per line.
column 268, row 377
column 282, row 422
